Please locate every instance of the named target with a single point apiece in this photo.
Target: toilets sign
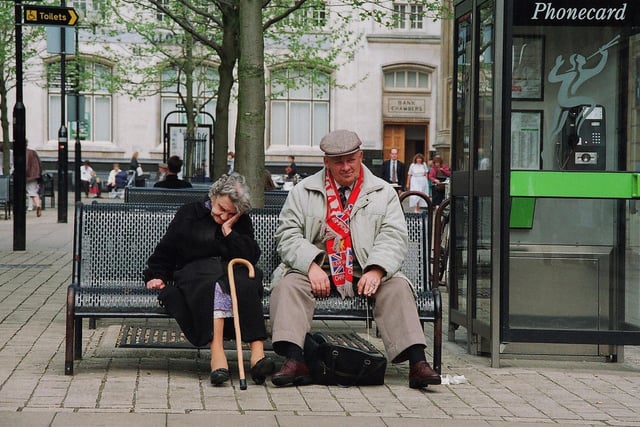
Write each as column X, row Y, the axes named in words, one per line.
column 49, row 15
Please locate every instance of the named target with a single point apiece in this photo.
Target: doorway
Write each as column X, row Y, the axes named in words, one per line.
column 408, row 138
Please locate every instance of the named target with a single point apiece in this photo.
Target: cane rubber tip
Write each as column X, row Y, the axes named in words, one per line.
column 243, row 384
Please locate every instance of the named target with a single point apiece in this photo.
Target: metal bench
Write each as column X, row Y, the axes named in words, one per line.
column 154, row 195
column 107, row 281
column 274, row 198
column 5, row 195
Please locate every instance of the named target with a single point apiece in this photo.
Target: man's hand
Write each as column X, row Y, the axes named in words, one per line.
column 320, row 285
column 370, row 282
column 155, row 284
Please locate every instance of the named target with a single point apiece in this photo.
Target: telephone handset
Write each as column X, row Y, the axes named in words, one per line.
column 583, row 139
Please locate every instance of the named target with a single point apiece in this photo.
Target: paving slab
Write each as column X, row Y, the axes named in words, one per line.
column 115, row 386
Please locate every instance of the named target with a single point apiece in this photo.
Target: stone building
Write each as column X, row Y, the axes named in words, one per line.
column 394, row 99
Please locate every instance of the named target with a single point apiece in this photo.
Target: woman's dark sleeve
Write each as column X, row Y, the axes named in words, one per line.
column 241, row 242
column 162, row 262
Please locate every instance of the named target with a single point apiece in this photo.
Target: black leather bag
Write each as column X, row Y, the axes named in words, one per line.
column 343, row 359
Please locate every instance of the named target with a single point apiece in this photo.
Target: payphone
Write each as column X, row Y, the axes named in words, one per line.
column 583, row 139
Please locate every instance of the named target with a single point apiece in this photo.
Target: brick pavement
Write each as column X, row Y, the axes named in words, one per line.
column 161, row 387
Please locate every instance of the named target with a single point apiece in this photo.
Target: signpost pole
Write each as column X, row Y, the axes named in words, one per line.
column 19, row 144
column 63, row 156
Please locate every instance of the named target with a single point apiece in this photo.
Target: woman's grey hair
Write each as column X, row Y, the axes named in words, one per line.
column 234, row 186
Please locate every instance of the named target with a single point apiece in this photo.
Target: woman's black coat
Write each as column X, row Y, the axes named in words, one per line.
column 194, row 254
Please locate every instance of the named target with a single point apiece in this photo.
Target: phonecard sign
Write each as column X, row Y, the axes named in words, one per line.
column 609, row 13
column 49, row 15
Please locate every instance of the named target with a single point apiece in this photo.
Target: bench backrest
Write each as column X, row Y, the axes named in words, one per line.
column 145, row 195
column 178, row 196
column 113, row 242
column 5, row 183
column 275, row 197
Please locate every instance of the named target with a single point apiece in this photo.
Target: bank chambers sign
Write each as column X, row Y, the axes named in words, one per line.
column 581, row 13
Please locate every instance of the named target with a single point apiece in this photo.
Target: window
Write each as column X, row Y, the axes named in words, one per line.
column 299, row 107
column 95, row 122
column 407, row 80
column 312, row 14
column 205, row 83
column 408, row 16
column 161, row 16
column 89, row 8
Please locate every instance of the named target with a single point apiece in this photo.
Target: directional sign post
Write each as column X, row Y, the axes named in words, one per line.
column 50, row 15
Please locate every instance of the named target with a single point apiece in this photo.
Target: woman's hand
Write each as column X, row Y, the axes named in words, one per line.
column 227, row 226
column 155, row 284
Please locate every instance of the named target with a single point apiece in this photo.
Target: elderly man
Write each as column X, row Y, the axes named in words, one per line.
column 344, row 229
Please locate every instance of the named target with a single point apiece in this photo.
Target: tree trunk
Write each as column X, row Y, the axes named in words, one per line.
column 251, row 100
column 190, row 108
column 228, row 58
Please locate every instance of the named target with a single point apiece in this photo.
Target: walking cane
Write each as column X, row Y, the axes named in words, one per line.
column 236, row 317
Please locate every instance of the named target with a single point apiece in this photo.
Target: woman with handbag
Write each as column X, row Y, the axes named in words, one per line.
column 194, row 252
column 438, row 175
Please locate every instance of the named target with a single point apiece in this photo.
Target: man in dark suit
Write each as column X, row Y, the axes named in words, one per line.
column 393, row 170
column 171, row 180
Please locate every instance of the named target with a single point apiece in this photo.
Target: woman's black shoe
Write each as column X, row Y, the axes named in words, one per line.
column 263, row 368
column 219, row 376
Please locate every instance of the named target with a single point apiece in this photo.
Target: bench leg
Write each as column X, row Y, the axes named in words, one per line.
column 437, row 330
column 77, row 339
column 70, row 332
column 437, row 345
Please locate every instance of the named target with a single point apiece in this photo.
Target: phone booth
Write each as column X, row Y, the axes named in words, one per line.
column 546, row 234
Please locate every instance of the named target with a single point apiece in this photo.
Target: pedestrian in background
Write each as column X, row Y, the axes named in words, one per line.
column 230, row 162
column 438, row 174
column 139, row 180
column 291, row 169
column 86, row 173
column 33, row 178
column 393, row 170
column 417, row 180
column 171, row 180
column 162, row 172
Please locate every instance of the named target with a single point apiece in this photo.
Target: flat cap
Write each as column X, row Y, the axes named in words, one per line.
column 340, row 143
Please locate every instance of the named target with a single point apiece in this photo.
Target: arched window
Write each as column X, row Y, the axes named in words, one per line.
column 407, row 79
column 96, row 118
column 299, row 107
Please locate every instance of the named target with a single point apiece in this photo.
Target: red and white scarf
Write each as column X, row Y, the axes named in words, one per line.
column 338, row 241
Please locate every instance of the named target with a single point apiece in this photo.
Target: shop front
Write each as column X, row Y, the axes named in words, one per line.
column 546, row 177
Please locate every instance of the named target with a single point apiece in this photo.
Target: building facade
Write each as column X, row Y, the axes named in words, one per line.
column 388, row 92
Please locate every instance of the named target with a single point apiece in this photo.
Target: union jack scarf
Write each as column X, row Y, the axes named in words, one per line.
column 338, row 239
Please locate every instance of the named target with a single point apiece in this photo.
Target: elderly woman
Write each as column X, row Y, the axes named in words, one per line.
column 194, row 252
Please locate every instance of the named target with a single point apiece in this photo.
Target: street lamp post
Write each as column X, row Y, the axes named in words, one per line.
column 19, row 144
column 63, row 147
column 78, row 146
